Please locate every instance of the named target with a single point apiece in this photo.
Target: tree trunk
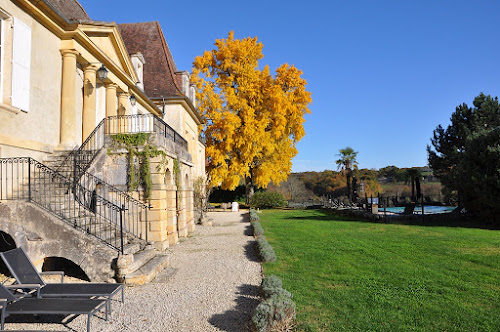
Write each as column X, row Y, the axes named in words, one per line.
column 249, row 189
column 348, row 177
column 412, row 189
column 418, row 188
column 354, row 189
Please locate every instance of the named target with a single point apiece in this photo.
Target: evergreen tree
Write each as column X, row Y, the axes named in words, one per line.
column 466, row 155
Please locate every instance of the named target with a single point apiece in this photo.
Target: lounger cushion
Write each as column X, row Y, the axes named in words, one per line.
column 54, row 306
column 79, row 289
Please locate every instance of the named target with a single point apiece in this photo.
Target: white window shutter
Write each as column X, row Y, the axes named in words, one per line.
column 21, row 63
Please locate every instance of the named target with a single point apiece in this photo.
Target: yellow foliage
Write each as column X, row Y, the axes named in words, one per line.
column 253, row 119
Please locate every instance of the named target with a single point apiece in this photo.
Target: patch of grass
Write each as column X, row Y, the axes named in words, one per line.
column 352, row 275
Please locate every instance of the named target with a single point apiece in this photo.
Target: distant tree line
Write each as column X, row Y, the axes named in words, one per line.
column 304, row 186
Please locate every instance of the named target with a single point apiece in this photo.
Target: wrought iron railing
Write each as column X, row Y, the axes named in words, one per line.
column 143, row 123
column 27, row 179
column 126, row 124
column 135, row 212
column 88, row 151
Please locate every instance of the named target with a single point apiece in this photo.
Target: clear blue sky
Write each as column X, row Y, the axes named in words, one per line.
column 383, row 74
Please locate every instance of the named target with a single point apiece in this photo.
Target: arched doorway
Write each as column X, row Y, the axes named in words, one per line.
column 168, row 178
column 62, row 264
column 6, row 243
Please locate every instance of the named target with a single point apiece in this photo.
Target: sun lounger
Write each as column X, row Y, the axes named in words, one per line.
column 38, row 306
column 24, row 272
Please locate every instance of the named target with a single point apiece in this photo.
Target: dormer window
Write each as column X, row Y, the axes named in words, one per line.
column 192, row 95
column 185, row 84
column 138, row 63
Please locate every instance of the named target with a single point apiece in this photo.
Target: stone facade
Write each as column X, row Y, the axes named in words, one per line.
column 68, row 98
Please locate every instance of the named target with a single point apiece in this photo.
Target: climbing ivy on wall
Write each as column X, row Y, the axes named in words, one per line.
column 139, row 153
column 177, row 173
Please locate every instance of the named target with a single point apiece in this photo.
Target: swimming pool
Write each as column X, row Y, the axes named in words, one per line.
column 428, row 209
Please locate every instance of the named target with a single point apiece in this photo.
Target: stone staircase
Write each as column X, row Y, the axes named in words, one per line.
column 140, row 266
column 140, row 262
column 61, row 161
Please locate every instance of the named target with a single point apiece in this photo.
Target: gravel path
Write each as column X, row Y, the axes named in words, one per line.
column 211, row 285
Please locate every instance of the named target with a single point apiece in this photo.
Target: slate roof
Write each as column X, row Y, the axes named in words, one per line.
column 160, row 78
column 70, row 10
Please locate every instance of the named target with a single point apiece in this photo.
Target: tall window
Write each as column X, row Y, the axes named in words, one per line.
column 21, row 63
column 3, row 25
column 1, row 52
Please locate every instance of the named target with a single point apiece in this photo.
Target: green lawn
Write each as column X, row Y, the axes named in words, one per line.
column 352, row 275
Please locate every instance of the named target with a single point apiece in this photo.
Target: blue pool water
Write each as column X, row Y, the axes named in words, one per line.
column 428, row 209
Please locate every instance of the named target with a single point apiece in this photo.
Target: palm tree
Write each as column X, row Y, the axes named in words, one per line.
column 413, row 176
column 345, row 164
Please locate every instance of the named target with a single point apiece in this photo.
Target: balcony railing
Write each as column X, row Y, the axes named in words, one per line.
column 129, row 124
column 143, row 123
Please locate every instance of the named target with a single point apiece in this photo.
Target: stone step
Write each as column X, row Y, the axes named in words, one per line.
column 78, row 213
column 116, row 241
column 131, row 248
column 108, row 230
column 164, row 276
column 148, row 271
column 140, row 258
column 111, row 233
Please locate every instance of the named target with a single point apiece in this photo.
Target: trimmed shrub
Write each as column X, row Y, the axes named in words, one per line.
column 262, row 317
column 267, row 200
column 257, row 229
column 266, row 251
column 271, row 282
column 275, row 313
column 279, row 291
column 254, row 216
column 270, row 285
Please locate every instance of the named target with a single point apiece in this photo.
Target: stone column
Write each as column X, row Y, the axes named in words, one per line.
column 190, row 212
column 111, row 100
column 158, row 215
column 182, row 215
column 123, row 103
column 89, row 100
column 68, row 100
column 111, row 108
column 172, row 234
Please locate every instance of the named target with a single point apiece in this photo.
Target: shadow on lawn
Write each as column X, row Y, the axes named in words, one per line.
column 441, row 220
column 238, row 319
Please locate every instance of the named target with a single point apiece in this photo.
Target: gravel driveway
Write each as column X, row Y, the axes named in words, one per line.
column 212, row 284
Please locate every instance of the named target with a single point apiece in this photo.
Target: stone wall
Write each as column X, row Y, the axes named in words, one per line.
column 43, row 235
column 171, row 214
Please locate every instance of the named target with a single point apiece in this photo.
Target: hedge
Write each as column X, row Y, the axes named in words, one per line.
column 277, row 311
column 266, row 251
column 267, row 200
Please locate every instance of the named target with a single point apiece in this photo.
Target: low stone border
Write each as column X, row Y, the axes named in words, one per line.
column 277, row 311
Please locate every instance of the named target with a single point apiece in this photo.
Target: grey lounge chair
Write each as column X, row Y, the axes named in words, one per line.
column 25, row 273
column 38, row 306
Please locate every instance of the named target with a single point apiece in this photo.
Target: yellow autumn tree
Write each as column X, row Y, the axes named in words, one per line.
column 253, row 119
